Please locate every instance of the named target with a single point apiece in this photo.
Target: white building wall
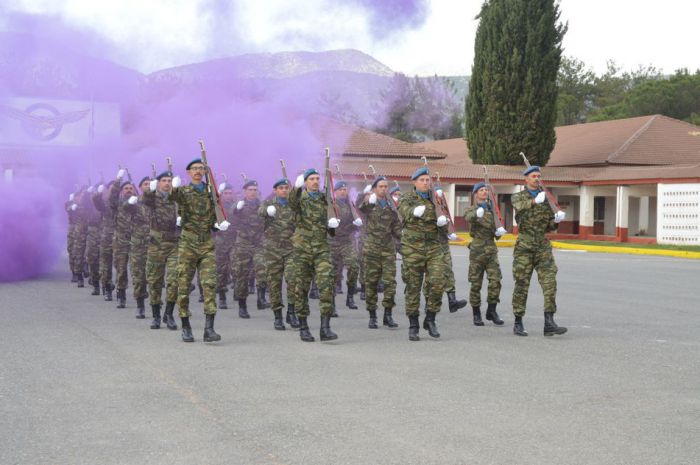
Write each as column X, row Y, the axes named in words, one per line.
column 678, row 214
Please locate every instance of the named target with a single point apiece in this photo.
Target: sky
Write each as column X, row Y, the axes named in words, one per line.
column 420, row 37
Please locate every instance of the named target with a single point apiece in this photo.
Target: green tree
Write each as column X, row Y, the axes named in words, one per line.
column 576, row 96
column 512, row 101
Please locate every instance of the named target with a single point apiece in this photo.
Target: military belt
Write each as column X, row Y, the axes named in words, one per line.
column 168, row 236
column 200, row 237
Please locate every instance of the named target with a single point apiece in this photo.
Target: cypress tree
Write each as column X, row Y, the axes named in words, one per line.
column 512, row 101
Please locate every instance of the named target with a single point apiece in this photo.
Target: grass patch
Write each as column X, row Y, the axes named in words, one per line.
column 686, row 248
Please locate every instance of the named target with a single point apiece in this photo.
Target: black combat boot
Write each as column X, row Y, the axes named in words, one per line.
column 155, row 310
column 209, row 334
column 413, row 327
column 80, row 281
column 362, row 291
column 477, row 316
column 262, row 303
column 304, row 332
column 334, row 313
column 140, row 308
column 372, row 319
column 243, row 308
column 492, row 315
column 518, row 327
column 339, row 287
column 279, row 324
column 108, row 292
column 222, row 300
column 454, row 303
column 313, row 293
column 326, row 333
column 121, row 298
column 350, row 299
column 292, row 319
column 388, row 320
column 96, row 288
column 186, row 330
column 550, row 327
column 168, row 318
column 429, row 324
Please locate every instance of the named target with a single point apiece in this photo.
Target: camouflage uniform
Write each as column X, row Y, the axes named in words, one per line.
column 223, row 245
column 248, row 249
column 106, row 242
column 278, row 249
column 162, row 247
column 93, row 244
column 70, row 238
column 123, row 224
column 483, row 255
column 138, row 247
column 533, row 251
column 343, row 248
column 80, row 233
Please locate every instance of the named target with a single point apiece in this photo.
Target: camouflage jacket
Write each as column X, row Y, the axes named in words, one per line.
column 93, row 216
column 119, row 208
column 72, row 215
column 228, row 237
column 141, row 216
column 249, row 226
column 482, row 230
column 312, row 218
column 424, row 228
column 346, row 229
column 280, row 228
column 162, row 213
column 381, row 224
column 534, row 220
column 107, row 215
column 196, row 211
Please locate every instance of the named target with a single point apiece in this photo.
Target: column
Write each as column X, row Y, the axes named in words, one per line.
column 586, row 208
column 622, row 213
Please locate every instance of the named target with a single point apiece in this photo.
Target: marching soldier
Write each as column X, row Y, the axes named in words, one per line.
column 279, row 228
column 483, row 255
column 70, row 238
column 93, row 240
column 423, row 254
column 119, row 197
column 223, row 244
column 311, row 253
column 533, row 251
column 100, row 200
column 342, row 244
column 138, row 246
column 383, row 229
column 162, row 249
column 196, row 248
column 80, row 233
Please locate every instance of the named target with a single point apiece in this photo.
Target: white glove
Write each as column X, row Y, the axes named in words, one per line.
column 101, row 188
column 418, row 211
column 133, row 200
column 153, row 185
column 177, row 182
column 396, row 199
column 71, row 197
column 333, row 223
column 357, row 222
column 91, row 189
column 223, row 226
column 559, row 216
column 120, row 174
column 442, row 220
column 271, row 210
column 367, row 189
column 372, row 199
column 500, row 231
column 452, row 236
column 178, row 221
column 74, row 207
column 222, row 186
column 438, row 192
column 480, row 212
column 240, row 204
column 299, row 181
column 541, row 197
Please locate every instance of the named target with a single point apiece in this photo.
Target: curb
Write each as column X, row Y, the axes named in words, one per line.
column 627, row 250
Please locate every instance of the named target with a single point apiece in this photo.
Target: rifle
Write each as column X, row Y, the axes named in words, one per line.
column 550, row 198
column 437, row 202
column 332, row 207
column 153, row 171
column 284, row 170
column 169, row 160
column 498, row 219
column 211, row 187
column 444, row 206
column 353, row 208
column 392, row 203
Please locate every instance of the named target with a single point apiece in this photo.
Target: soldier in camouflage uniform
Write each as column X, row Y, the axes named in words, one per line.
column 80, row 218
column 223, row 245
column 311, row 253
column 533, row 251
column 383, row 229
column 248, row 249
column 423, row 254
column 138, row 247
column 279, row 228
column 119, row 197
column 196, row 248
column 70, row 238
column 483, row 255
column 162, row 249
column 93, row 240
column 342, row 244
column 106, row 239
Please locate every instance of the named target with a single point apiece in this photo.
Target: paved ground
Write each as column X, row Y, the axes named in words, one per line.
column 85, row 383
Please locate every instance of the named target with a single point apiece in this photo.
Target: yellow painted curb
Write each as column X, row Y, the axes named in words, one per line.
column 464, row 239
column 627, row 250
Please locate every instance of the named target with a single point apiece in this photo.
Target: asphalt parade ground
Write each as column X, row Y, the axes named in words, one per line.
column 83, row 382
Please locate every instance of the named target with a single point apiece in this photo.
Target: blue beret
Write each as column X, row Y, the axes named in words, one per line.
column 478, row 186
column 531, row 169
column 145, row 178
column 420, row 172
column 126, row 183
column 164, row 174
column 249, row 183
column 280, row 182
column 377, row 179
column 196, row 160
column 339, row 185
column 309, row 172
column 394, row 189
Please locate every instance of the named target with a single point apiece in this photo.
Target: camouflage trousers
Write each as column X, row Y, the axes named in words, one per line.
column 278, row 266
column 361, row 268
column 80, row 234
column 196, row 253
column 344, row 255
column 449, row 276
column 379, row 263
column 93, row 253
column 224, row 253
column 121, row 260
column 70, row 240
column 162, row 256
column 247, row 258
column 106, row 254
column 423, row 260
column 539, row 259
column 139, row 252
column 309, row 262
column 484, row 259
